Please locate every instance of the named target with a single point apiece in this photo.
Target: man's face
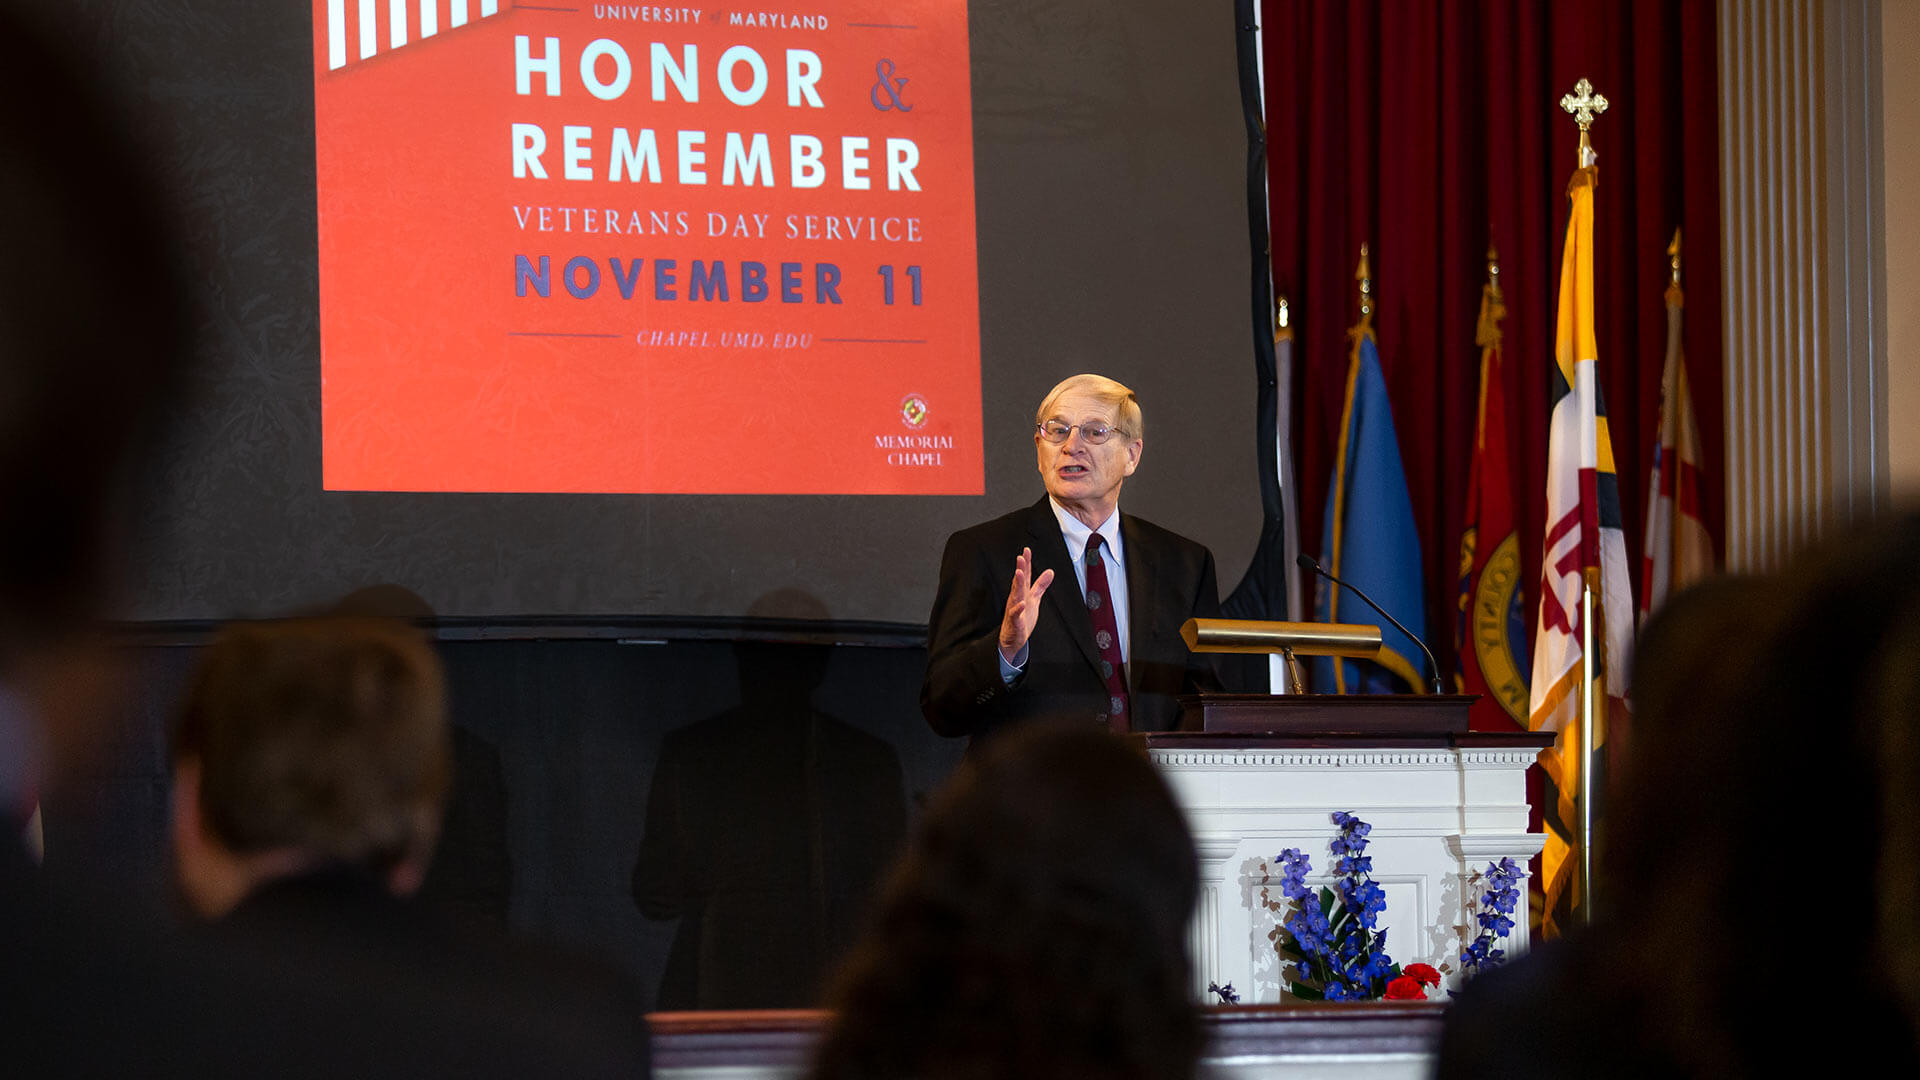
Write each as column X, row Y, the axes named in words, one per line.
column 1077, row 473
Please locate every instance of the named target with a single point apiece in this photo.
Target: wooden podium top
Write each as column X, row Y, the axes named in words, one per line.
column 1403, row 720
column 1344, row 740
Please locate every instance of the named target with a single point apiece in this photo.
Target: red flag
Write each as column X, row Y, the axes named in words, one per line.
column 1679, row 551
column 1490, row 637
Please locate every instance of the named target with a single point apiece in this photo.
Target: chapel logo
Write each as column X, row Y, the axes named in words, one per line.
column 913, row 411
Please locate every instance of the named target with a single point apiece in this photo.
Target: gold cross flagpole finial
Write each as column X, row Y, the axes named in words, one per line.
column 1364, row 275
column 1493, row 271
column 1584, row 104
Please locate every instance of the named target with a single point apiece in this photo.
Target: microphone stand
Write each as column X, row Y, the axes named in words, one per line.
column 1308, row 562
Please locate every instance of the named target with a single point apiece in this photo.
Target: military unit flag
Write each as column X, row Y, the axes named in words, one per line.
column 1490, row 638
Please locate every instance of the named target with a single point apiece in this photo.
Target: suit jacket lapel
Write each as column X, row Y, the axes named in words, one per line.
column 1140, row 570
column 1069, row 606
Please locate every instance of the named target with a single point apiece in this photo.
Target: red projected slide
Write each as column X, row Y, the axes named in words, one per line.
column 583, row 247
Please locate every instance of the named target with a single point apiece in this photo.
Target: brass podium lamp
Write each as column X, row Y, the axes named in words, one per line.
column 1360, row 641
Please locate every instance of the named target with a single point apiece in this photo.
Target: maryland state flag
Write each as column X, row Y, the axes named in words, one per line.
column 1585, row 547
column 1679, row 551
column 1490, row 637
column 1370, row 538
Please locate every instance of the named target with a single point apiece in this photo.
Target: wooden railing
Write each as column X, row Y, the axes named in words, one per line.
column 780, row 1040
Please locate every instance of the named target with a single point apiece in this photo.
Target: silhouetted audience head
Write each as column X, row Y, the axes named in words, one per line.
column 471, row 875
column 93, row 330
column 1826, row 735
column 1692, row 667
column 93, row 344
column 1037, row 926
column 1759, row 888
column 308, row 743
column 1775, row 767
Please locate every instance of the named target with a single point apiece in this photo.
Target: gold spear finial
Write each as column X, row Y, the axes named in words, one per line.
column 1675, row 297
column 1281, row 330
column 1584, row 104
column 1364, row 275
column 1493, row 306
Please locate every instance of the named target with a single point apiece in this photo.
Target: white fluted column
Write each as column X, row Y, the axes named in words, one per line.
column 1803, row 254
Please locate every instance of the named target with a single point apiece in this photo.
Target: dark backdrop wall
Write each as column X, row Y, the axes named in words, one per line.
column 760, row 789
column 684, row 803
column 1433, row 130
column 1109, row 156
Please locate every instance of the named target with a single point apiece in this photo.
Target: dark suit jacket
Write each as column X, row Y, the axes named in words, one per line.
column 1170, row 579
column 318, row 977
column 360, row 983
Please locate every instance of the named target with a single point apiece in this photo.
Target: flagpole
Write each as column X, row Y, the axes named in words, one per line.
column 1584, row 104
column 1364, row 275
column 1586, row 751
column 1284, row 674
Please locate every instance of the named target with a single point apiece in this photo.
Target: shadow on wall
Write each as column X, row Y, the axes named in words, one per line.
column 768, row 827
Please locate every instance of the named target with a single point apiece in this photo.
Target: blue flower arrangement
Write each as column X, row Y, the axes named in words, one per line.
column 1497, row 905
column 1331, row 944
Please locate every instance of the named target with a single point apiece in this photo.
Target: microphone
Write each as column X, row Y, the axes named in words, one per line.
column 1308, row 562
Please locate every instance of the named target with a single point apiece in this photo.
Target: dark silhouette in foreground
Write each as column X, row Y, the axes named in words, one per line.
column 1036, row 928
column 1760, row 897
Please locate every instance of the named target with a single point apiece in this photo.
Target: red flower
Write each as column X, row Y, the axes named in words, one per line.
column 1405, row 988
column 1423, row 974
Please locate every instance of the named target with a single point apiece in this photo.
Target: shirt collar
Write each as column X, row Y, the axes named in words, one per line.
column 1077, row 535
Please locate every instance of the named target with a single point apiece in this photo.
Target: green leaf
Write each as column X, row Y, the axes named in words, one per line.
column 1337, row 919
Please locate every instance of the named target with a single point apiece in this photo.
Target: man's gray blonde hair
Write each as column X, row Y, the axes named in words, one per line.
column 1126, row 407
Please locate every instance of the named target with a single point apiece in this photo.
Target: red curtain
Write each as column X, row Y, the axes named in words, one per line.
column 1431, row 128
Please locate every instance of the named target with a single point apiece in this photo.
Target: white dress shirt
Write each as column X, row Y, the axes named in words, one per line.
column 1077, row 535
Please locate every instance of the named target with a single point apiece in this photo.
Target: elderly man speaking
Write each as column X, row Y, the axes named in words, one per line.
column 1069, row 609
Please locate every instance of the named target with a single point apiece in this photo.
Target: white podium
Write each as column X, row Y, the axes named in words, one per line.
column 1256, row 774
column 1443, row 802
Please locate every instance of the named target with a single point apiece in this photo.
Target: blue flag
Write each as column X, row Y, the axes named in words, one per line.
column 1370, row 539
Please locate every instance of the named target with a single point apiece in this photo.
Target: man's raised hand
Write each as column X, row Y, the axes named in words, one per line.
column 1023, row 605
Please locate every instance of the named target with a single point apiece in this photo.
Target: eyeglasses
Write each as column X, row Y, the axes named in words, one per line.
column 1057, row 431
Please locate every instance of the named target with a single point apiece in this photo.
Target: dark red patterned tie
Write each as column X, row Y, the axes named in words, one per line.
column 1106, row 635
